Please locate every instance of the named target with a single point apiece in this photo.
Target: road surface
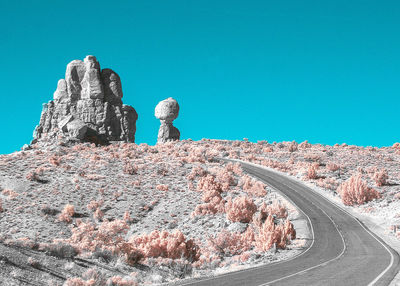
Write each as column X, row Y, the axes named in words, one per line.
column 342, row 251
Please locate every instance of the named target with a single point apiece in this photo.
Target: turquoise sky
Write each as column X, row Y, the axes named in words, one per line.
column 326, row 71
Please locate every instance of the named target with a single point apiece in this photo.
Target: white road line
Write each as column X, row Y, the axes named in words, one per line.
column 316, row 266
column 312, row 231
column 367, row 230
column 342, row 209
column 274, row 263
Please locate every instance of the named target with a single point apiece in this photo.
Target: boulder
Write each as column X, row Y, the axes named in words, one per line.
column 62, row 124
column 237, row 227
column 167, row 111
column 77, row 129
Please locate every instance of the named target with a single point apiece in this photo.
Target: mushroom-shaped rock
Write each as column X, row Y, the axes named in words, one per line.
column 167, row 111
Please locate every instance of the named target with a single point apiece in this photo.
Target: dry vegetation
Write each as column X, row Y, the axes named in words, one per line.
column 150, row 214
column 366, row 178
column 155, row 214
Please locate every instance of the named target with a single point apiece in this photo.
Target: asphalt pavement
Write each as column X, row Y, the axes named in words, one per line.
column 342, row 252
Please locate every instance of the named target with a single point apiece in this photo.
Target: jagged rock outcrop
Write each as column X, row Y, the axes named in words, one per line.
column 167, row 111
column 87, row 106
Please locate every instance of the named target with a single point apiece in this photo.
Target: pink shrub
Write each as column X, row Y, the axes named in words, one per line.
column 252, row 186
column 235, row 168
column 90, row 278
column 98, row 214
column 127, row 217
column 312, row 157
column 265, row 237
column 226, row 179
column 10, row 193
column 241, row 209
column 55, row 160
column 209, row 183
column 269, row 234
column 328, row 183
column 93, row 204
column 268, row 149
column 304, row 145
column 129, row 168
column 355, row 191
column 67, row 213
column 290, row 232
column 213, row 203
column 211, row 196
column 196, row 171
column 312, row 172
column 94, row 177
column 380, row 177
column 167, row 245
column 332, row 167
column 227, row 243
column 258, row 189
column 162, row 188
column 277, row 209
column 87, row 236
column 32, row 176
column 293, row 146
column 209, row 208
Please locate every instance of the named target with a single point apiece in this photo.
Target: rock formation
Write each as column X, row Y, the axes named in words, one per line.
column 167, row 111
column 87, row 106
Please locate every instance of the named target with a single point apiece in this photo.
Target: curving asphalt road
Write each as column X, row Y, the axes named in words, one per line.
column 342, row 251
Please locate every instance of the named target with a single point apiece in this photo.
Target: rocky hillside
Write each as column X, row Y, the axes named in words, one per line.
column 135, row 214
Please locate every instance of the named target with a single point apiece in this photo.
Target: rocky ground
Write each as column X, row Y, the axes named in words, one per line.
column 128, row 214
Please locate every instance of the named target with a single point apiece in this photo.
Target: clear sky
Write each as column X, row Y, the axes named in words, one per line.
column 326, row 71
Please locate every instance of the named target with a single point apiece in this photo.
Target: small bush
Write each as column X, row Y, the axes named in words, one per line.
column 209, row 183
column 312, row 172
column 381, row 177
column 55, row 160
column 67, row 213
column 129, row 168
column 241, row 209
column 49, row 211
column 269, row 234
column 162, row 188
column 167, row 245
column 293, row 146
column 60, row 250
column 32, row 176
column 332, row 167
column 229, row 244
column 355, row 191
